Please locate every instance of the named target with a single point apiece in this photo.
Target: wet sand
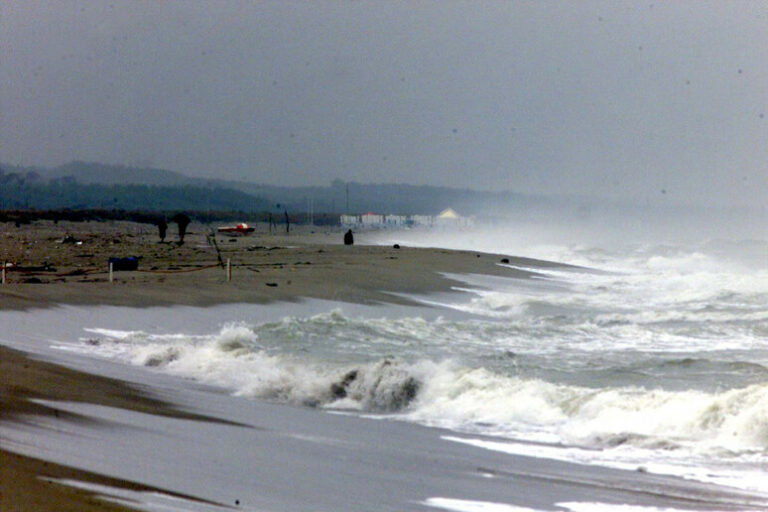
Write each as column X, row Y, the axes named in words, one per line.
column 24, row 481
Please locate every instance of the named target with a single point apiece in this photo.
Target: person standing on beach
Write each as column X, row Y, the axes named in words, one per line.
column 162, row 226
column 183, row 221
column 348, row 238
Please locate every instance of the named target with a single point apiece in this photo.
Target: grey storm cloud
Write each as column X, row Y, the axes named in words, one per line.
column 615, row 99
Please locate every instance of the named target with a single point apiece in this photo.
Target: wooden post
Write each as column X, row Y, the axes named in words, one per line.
column 110, row 272
column 229, row 270
column 4, row 264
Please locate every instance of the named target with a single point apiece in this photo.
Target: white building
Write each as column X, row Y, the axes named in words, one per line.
column 449, row 218
column 396, row 221
column 371, row 220
column 446, row 219
column 422, row 220
column 350, row 221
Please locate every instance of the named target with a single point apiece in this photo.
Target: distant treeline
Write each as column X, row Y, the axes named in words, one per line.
column 22, row 217
column 24, row 192
column 92, row 185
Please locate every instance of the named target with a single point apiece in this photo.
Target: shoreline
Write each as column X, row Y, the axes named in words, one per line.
column 66, row 263
column 29, row 484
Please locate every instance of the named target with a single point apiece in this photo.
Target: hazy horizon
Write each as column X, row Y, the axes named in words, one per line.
column 621, row 100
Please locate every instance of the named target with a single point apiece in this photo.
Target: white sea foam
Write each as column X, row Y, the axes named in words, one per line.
column 735, row 421
column 750, row 479
column 458, row 505
column 453, row 395
column 612, row 507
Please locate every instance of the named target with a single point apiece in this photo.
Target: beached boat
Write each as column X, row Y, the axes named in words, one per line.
column 239, row 229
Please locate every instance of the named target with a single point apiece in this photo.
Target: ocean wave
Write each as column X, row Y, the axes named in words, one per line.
column 452, row 395
column 733, row 421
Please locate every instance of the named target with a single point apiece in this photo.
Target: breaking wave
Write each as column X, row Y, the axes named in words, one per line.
column 448, row 394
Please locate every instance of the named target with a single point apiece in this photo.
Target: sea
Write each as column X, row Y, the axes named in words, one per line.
column 637, row 355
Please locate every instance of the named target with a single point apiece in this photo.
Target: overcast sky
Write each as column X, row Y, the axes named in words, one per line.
column 618, row 99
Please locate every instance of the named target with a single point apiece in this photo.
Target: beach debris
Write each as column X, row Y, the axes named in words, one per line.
column 211, row 238
column 349, row 239
column 505, row 260
column 396, row 246
column 76, row 272
column 124, row 263
column 69, row 239
column 45, row 267
column 239, row 229
column 273, row 285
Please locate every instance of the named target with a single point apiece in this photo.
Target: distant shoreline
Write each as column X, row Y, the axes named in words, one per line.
column 66, row 263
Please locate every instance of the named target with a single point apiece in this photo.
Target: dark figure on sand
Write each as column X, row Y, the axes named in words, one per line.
column 162, row 226
column 348, row 238
column 183, row 221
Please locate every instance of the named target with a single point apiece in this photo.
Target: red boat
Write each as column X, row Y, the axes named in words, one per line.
column 240, row 229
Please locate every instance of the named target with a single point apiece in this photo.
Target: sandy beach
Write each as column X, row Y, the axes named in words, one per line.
column 68, row 263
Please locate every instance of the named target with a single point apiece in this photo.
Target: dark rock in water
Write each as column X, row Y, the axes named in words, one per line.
column 505, row 260
column 396, row 246
column 273, row 285
column 349, row 239
column 339, row 389
column 404, row 394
